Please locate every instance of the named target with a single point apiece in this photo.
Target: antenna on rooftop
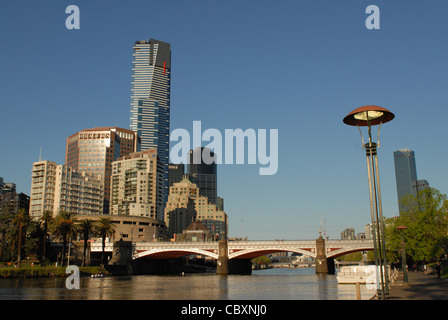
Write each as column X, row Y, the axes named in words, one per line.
column 40, row 154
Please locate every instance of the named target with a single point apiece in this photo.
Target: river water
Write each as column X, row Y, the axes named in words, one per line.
column 268, row 284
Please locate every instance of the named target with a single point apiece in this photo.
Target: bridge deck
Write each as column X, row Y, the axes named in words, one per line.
column 241, row 249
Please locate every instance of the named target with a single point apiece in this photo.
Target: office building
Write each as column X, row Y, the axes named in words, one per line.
column 405, row 172
column 58, row 187
column 136, row 185
column 180, row 209
column 176, row 173
column 93, row 151
column 406, row 175
column 348, row 234
column 150, row 99
column 213, row 218
column 368, row 231
column 12, row 202
column 185, row 205
column 420, row 185
column 9, row 187
column 220, row 203
column 203, row 173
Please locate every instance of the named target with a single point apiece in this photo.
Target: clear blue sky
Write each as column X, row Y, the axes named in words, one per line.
column 296, row 66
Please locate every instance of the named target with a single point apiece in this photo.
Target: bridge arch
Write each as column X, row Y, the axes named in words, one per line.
column 341, row 252
column 253, row 253
column 172, row 253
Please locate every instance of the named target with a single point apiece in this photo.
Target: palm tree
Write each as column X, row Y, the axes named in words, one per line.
column 85, row 227
column 46, row 219
column 64, row 226
column 105, row 228
column 6, row 217
column 21, row 219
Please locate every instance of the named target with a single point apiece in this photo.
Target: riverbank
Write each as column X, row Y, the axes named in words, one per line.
column 421, row 287
column 46, row 272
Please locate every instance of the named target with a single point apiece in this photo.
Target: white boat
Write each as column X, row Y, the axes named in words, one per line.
column 356, row 274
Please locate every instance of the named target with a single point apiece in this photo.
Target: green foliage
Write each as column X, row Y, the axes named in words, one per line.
column 45, row 272
column 355, row 256
column 261, row 260
column 426, row 219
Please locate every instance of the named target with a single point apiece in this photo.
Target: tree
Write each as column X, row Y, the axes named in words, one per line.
column 6, row 216
column 426, row 218
column 64, row 226
column 85, row 228
column 21, row 220
column 46, row 219
column 105, row 228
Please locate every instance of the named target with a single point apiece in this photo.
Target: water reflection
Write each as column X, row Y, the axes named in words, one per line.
column 271, row 284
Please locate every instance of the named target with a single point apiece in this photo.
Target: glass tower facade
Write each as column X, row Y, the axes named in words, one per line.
column 150, row 99
column 405, row 173
column 204, row 175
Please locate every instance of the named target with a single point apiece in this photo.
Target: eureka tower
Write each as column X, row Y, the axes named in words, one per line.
column 150, row 99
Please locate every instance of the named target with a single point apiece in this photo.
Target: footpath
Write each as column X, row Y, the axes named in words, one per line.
column 420, row 287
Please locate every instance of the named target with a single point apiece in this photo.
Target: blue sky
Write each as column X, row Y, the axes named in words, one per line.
column 296, row 66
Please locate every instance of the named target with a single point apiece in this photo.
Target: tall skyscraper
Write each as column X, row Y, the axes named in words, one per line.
column 405, row 173
column 94, row 150
column 150, row 99
column 203, row 174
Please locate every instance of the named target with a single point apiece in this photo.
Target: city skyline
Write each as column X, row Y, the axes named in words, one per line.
column 294, row 66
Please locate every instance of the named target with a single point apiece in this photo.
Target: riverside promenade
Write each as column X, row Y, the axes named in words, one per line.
column 420, row 287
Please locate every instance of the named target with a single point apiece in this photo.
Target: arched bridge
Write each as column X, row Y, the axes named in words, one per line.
column 246, row 249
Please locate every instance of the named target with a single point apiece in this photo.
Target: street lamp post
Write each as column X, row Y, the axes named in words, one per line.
column 403, row 254
column 368, row 116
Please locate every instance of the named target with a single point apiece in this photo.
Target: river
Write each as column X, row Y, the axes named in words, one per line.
column 267, row 284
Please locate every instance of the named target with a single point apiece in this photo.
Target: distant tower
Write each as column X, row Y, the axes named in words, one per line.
column 405, row 173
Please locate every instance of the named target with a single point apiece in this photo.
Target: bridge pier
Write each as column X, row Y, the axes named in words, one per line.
column 222, row 265
column 121, row 261
column 233, row 266
column 323, row 264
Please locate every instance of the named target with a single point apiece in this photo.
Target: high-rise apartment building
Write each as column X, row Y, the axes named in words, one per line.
column 94, row 150
column 150, row 99
column 405, row 173
column 203, row 173
column 58, row 187
column 137, row 185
